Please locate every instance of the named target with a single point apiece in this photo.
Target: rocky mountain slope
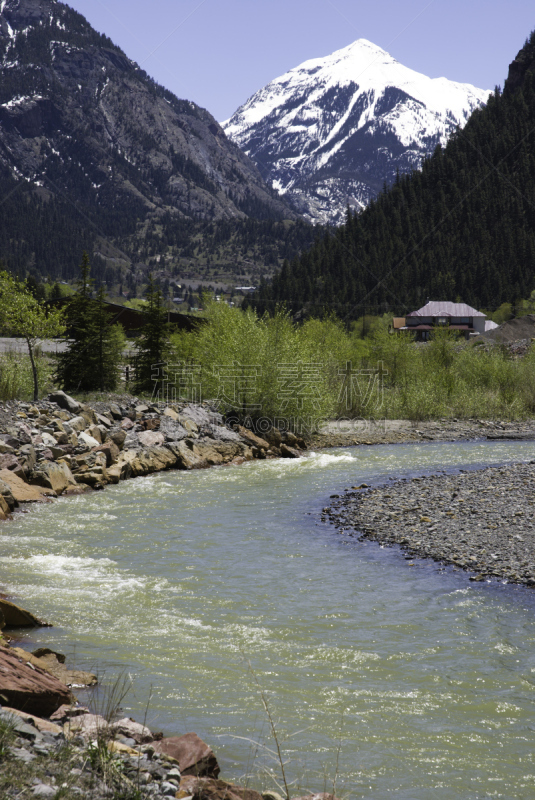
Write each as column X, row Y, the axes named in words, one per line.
column 334, row 130
column 461, row 227
column 83, row 124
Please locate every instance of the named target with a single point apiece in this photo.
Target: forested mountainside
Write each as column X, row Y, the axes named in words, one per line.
column 333, row 131
column 462, row 228
column 94, row 154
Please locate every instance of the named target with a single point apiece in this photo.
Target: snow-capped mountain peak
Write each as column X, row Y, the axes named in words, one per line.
column 332, row 130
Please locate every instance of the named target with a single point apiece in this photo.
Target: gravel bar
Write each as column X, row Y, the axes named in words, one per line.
column 481, row 521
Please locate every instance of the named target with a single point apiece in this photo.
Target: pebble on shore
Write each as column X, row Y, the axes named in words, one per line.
column 481, row 521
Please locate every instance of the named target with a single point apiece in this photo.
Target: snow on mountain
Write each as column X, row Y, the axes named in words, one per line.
column 333, row 130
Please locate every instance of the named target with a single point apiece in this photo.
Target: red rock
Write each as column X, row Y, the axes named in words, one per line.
column 194, row 756
column 31, row 690
column 209, row 789
column 127, row 424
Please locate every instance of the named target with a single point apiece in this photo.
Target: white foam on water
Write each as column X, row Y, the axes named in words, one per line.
column 76, row 575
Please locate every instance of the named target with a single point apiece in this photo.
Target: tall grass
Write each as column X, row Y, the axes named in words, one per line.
column 16, row 377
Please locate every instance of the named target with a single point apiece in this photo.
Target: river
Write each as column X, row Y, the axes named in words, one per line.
column 416, row 682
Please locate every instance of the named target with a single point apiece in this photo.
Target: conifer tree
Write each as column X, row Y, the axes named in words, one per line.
column 153, row 343
column 93, row 357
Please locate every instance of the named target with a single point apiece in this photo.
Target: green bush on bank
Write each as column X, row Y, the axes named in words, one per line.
column 319, row 369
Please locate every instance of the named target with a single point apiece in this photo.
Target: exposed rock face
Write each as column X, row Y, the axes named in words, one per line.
column 194, row 756
column 523, row 63
column 31, row 690
column 78, row 117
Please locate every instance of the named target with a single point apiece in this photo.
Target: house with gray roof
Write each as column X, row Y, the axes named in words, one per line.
column 453, row 316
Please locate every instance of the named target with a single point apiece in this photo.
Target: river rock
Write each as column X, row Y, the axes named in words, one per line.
column 9, row 462
column 17, row 617
column 30, row 689
column 64, row 401
column 194, row 756
column 86, row 438
column 274, row 438
column 111, row 451
column 189, row 425
column 155, row 459
column 29, row 455
column 96, row 433
column 23, row 492
column 48, row 440
column 55, row 476
column 319, row 796
column 210, row 789
column 251, row 438
column 118, row 437
column 7, row 495
column 54, row 663
column 78, row 424
column 201, row 416
column 89, row 726
column 222, row 434
column 104, row 421
column 172, row 430
column 42, row 725
column 289, row 452
column 11, row 442
column 130, row 729
column 208, row 453
column 151, row 438
column 184, row 455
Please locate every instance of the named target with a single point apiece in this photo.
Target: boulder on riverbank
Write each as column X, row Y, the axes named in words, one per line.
column 30, row 689
column 16, row 617
column 194, row 756
column 210, row 789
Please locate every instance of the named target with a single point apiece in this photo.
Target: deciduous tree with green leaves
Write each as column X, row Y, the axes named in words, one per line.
column 22, row 315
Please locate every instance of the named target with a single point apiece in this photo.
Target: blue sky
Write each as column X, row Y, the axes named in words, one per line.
column 219, row 52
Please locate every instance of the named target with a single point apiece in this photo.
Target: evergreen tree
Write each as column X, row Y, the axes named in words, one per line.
column 153, row 342
column 94, row 353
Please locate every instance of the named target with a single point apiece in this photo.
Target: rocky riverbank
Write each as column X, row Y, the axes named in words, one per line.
column 347, row 433
column 60, row 446
column 481, row 521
